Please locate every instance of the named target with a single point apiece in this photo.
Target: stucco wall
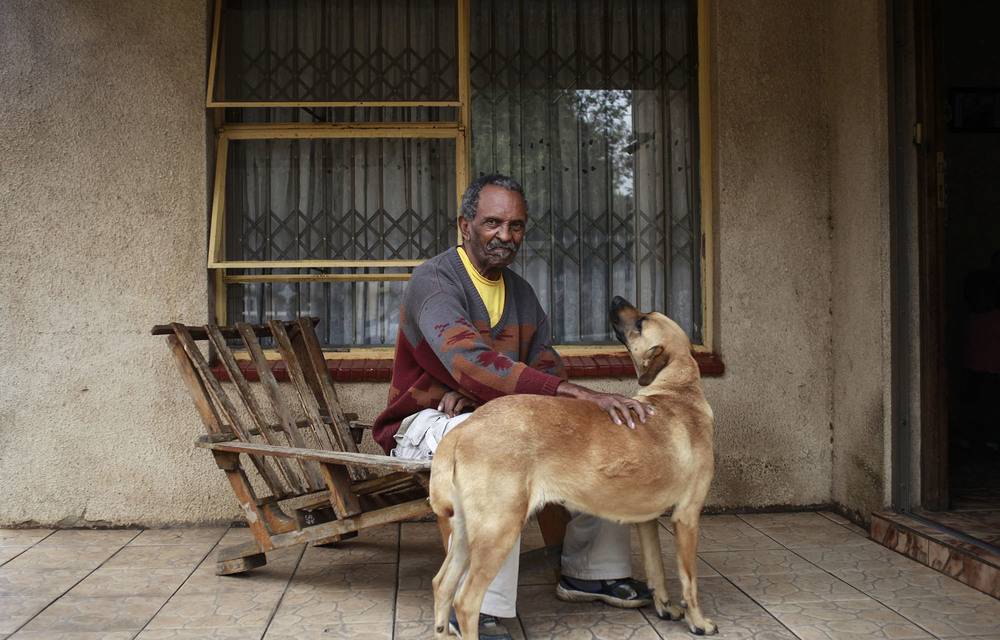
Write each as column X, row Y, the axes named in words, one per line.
column 103, row 194
column 859, row 204
column 773, row 274
column 102, row 219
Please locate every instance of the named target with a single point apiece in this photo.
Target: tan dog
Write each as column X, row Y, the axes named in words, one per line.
column 517, row 453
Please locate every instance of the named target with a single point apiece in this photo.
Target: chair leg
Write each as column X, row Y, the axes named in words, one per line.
column 334, row 541
column 240, row 564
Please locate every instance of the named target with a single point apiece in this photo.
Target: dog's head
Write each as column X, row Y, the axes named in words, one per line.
column 652, row 339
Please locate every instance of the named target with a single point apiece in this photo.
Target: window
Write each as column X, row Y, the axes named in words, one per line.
column 350, row 128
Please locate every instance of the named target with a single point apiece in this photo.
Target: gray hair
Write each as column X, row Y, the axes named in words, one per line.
column 470, row 199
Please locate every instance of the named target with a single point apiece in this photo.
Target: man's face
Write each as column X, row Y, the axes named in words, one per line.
column 492, row 238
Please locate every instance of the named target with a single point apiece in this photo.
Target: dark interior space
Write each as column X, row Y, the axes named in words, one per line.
column 969, row 81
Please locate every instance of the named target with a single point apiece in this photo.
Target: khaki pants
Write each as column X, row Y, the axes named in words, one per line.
column 594, row 549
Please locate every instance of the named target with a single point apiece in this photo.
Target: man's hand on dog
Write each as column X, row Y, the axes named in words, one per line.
column 454, row 403
column 619, row 407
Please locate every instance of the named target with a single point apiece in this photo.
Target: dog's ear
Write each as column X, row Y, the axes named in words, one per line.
column 652, row 362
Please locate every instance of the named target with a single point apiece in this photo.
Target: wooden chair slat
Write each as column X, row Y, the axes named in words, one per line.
column 310, row 472
column 305, row 394
column 369, row 460
column 338, row 480
column 317, row 375
column 227, row 409
column 202, row 401
column 288, row 474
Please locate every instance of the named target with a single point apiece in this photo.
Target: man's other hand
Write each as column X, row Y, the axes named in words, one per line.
column 454, row 403
column 619, row 407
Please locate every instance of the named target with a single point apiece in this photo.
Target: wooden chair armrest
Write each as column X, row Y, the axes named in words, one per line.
column 343, row 458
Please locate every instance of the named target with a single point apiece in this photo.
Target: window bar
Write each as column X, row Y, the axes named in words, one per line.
column 667, row 157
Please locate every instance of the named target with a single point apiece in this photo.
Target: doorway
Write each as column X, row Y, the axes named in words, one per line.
column 958, row 111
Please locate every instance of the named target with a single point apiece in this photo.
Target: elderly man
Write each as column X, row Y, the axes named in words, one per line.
column 471, row 330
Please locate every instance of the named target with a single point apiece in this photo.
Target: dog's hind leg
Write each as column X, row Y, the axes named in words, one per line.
column 652, row 561
column 686, row 531
column 488, row 549
column 446, row 581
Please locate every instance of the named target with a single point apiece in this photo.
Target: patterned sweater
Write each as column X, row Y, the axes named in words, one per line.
column 445, row 343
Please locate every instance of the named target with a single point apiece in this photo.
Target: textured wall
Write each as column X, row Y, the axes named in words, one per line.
column 102, row 219
column 860, row 211
column 103, row 195
column 773, row 239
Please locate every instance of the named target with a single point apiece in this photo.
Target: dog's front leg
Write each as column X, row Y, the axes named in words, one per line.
column 686, row 531
column 652, row 560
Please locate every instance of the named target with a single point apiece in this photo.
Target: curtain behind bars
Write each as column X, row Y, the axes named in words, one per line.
column 589, row 104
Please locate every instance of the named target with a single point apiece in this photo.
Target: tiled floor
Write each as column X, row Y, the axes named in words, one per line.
column 767, row 576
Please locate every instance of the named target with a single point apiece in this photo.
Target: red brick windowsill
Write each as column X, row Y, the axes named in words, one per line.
column 380, row 369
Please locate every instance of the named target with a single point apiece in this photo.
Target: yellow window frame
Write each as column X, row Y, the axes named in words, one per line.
column 459, row 132
column 462, row 27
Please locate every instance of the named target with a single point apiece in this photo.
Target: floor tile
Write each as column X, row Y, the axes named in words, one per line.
column 159, row 556
column 22, row 536
column 825, row 534
column 11, row 551
column 38, row 582
column 415, row 606
column 857, row 558
column 125, row 581
column 420, row 555
column 795, row 588
column 16, row 610
column 845, row 620
column 758, row 562
column 344, row 577
column 262, row 579
column 192, row 536
column 422, row 629
column 90, row 537
column 789, row 519
column 729, row 533
column 216, row 610
column 612, row 625
column 79, row 557
column 372, row 545
column 72, row 635
column 201, row 634
column 273, row 576
column 342, row 631
column 904, row 582
column 948, row 616
column 310, row 608
column 752, row 626
column 81, row 613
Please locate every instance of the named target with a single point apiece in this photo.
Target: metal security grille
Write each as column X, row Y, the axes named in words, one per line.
column 337, row 50
column 589, row 103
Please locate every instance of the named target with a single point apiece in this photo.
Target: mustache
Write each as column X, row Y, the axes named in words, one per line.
column 500, row 244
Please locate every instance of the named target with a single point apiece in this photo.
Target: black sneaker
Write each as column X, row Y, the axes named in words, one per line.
column 625, row 593
column 490, row 627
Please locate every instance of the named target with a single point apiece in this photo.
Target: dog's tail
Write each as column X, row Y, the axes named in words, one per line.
column 442, row 485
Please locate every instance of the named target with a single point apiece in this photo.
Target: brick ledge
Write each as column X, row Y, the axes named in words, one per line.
column 380, row 369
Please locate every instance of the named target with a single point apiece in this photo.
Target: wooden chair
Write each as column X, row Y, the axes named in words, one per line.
column 300, row 444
